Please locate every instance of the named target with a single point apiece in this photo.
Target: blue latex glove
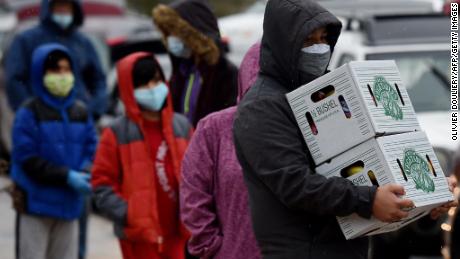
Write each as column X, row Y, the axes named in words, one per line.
column 79, row 181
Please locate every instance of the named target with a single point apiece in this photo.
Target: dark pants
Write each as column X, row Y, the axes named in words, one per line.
column 420, row 238
column 83, row 226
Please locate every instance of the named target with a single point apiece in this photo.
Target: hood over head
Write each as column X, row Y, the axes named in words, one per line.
column 78, row 14
column 287, row 23
column 249, row 70
column 39, row 57
column 126, row 85
column 193, row 22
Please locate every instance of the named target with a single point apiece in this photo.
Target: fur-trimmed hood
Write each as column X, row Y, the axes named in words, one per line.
column 193, row 22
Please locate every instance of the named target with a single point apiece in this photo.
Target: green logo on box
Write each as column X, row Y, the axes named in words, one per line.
column 418, row 169
column 388, row 97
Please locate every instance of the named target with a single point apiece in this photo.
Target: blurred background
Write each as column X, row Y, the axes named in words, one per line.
column 414, row 33
column 221, row 8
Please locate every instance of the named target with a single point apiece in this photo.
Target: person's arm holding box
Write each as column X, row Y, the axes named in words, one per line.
column 271, row 145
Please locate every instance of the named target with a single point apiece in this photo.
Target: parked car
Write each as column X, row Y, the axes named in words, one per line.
column 242, row 30
column 245, row 28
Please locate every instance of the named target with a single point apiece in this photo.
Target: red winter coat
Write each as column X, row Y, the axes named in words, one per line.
column 123, row 171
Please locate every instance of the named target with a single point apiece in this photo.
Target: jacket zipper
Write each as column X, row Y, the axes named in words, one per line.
column 160, row 239
column 160, row 244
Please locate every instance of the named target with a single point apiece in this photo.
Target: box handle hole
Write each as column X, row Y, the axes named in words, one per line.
column 374, row 181
column 311, row 123
column 372, row 94
column 431, row 166
column 402, row 170
column 322, row 93
column 352, row 169
column 345, row 108
column 399, row 93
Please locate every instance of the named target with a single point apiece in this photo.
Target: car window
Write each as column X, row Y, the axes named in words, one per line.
column 426, row 77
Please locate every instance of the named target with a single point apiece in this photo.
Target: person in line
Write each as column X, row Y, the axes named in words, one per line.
column 203, row 80
column 136, row 172
column 54, row 141
column 293, row 208
column 59, row 23
column 214, row 199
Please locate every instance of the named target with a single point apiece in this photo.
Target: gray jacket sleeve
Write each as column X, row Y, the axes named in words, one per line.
column 110, row 204
column 270, row 145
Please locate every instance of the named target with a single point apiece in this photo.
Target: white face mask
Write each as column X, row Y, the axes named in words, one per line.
column 178, row 48
column 314, row 59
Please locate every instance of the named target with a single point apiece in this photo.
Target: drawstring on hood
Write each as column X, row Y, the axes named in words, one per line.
column 287, row 24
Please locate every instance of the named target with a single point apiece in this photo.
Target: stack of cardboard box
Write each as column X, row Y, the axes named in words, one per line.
column 359, row 123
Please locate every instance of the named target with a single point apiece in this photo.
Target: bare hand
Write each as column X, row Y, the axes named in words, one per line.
column 439, row 211
column 452, row 181
column 388, row 207
column 443, row 209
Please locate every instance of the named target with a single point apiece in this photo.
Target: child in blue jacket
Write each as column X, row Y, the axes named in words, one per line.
column 54, row 141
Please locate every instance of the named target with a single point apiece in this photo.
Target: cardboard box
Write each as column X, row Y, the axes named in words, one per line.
column 350, row 105
column 406, row 159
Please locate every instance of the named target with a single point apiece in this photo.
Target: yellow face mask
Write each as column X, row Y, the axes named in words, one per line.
column 59, row 85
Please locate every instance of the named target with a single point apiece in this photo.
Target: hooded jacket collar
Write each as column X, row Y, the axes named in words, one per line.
column 287, row 23
column 126, row 87
column 46, row 16
column 194, row 22
column 249, row 70
column 199, row 15
column 38, row 71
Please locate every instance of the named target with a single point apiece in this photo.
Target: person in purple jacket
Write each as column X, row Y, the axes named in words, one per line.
column 213, row 196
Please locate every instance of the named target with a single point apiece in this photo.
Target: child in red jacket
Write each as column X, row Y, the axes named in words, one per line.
column 137, row 166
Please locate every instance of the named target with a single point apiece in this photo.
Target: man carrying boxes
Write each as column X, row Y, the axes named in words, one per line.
column 365, row 100
column 293, row 206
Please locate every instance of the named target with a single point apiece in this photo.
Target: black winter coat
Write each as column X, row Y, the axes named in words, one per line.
column 293, row 209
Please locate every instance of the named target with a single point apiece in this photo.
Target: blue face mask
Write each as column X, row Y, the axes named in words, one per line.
column 63, row 20
column 152, row 99
column 178, row 48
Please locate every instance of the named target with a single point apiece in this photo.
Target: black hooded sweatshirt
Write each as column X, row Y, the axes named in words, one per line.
column 293, row 208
